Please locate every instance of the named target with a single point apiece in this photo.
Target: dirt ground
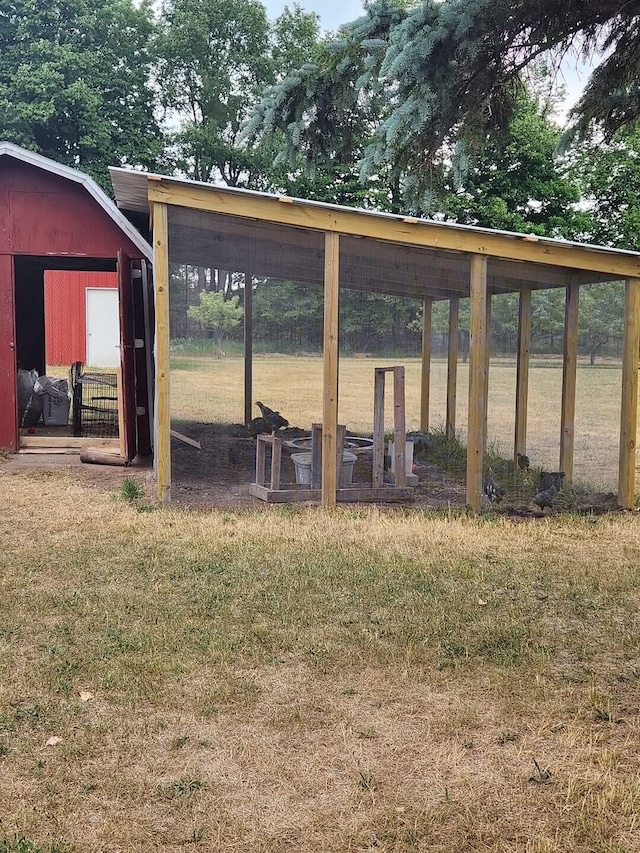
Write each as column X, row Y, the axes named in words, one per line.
column 219, row 474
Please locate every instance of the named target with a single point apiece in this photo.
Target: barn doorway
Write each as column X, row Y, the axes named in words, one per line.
column 66, row 323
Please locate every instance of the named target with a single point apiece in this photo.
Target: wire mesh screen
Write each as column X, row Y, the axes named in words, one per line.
column 95, row 403
column 229, row 278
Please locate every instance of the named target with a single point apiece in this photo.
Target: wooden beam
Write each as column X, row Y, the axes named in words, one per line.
column 452, row 365
column 522, row 373
column 629, row 408
column 330, row 368
column 67, row 442
column 162, row 443
column 477, row 380
column 405, row 230
column 569, row 374
column 487, row 360
column 425, row 370
column 378, row 428
column 248, row 346
column 399, row 428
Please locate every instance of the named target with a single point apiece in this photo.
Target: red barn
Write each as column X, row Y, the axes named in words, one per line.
column 68, row 255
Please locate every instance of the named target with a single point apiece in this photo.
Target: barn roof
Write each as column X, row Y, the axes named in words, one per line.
column 282, row 237
column 31, row 158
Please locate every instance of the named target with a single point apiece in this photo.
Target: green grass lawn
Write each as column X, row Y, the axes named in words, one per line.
column 210, row 390
column 299, row 679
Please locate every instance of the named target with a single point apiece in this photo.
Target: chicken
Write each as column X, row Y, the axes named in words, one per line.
column 493, row 491
column 524, row 462
column 274, row 420
column 258, row 426
column 545, row 498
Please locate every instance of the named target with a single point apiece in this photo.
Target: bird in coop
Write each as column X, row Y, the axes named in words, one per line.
column 258, row 426
column 545, row 498
column 493, row 491
column 524, row 463
column 274, row 420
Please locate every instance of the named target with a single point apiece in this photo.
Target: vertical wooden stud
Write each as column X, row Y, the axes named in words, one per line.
column 330, row 368
column 378, row 428
column 399, row 428
column 522, row 372
column 276, row 462
column 477, row 379
column 452, row 365
column 629, row 408
column 163, row 399
column 487, row 360
column 425, row 374
column 316, row 455
column 569, row 373
column 248, row 346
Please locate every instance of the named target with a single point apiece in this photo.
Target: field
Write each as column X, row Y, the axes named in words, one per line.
column 299, row 679
column 210, row 389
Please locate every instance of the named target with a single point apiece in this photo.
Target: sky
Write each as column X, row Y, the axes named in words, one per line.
column 332, row 12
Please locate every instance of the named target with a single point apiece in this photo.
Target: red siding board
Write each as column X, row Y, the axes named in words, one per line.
column 65, row 312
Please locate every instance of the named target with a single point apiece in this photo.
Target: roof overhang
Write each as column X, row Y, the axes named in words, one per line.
column 381, row 252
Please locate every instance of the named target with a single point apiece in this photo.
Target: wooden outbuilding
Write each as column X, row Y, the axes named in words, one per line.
column 264, row 235
column 55, row 218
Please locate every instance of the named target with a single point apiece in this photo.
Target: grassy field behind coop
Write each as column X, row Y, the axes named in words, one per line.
column 209, row 390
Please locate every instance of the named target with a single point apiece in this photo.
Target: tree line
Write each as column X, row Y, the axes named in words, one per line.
column 214, row 90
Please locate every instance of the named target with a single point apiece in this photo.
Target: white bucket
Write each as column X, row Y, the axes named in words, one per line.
column 302, row 464
column 408, row 457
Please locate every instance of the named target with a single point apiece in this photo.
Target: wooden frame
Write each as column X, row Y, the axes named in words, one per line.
column 522, row 373
column 569, row 376
column 452, row 366
column 629, row 408
column 162, row 457
column 497, row 260
column 425, row 364
column 477, row 381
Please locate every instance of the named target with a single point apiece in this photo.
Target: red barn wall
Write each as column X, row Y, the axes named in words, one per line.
column 45, row 214
column 65, row 312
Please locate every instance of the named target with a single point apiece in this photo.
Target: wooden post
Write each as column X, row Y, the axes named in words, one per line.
column 316, row 455
column 452, row 365
column 330, row 368
column 425, row 376
column 276, row 461
column 569, row 366
column 487, row 360
column 248, row 346
column 522, row 372
column 477, row 379
column 399, row 428
column 378, row 428
column 629, row 408
column 163, row 400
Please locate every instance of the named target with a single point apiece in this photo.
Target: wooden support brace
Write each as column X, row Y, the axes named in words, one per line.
column 425, row 371
column 378, row 428
column 162, row 443
column 569, row 375
column 522, row 373
column 452, row 365
column 477, row 380
column 248, row 346
column 276, row 461
column 330, row 368
column 399, row 428
column 629, row 408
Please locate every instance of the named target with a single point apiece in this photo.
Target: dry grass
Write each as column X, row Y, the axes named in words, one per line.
column 209, row 390
column 296, row 679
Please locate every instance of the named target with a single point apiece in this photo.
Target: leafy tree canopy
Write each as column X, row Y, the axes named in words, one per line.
column 74, row 82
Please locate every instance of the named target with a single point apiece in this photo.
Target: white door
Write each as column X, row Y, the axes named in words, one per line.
column 103, row 327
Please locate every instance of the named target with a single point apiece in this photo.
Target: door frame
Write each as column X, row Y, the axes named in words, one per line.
column 8, row 363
